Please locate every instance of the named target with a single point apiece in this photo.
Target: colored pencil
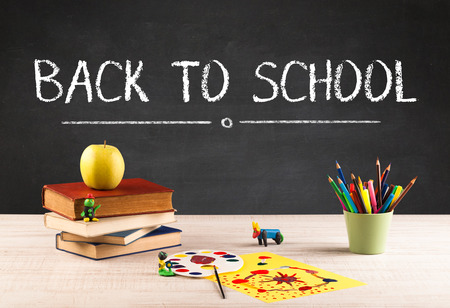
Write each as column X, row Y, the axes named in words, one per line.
column 348, row 208
column 360, row 185
column 373, row 200
column 352, row 187
column 355, row 200
column 347, row 196
column 358, row 194
column 366, row 202
column 342, row 203
column 365, row 194
column 338, row 193
column 385, row 175
column 388, row 193
column 386, row 205
column 384, row 190
column 218, row 281
column 397, row 194
column 379, row 199
column 407, row 188
column 341, row 175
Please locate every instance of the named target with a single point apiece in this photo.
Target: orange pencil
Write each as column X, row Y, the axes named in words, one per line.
column 379, row 198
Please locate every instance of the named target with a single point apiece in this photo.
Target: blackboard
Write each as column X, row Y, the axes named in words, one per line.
column 217, row 155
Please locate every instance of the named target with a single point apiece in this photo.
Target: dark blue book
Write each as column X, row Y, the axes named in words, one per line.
column 161, row 238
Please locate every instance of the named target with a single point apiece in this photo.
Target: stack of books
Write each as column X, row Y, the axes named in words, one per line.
column 131, row 218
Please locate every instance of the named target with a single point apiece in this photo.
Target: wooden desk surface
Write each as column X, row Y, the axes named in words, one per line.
column 413, row 272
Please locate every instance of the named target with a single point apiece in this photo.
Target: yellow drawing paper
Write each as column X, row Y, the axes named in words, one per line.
column 271, row 278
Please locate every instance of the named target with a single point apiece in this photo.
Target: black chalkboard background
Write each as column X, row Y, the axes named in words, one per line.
column 246, row 169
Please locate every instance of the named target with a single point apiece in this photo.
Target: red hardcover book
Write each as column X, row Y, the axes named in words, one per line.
column 131, row 197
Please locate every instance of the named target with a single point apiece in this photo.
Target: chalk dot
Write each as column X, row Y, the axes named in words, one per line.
column 195, row 273
column 190, row 253
column 228, row 256
column 181, row 256
column 227, row 123
column 178, row 266
column 174, row 260
column 206, row 252
column 220, row 253
column 232, row 260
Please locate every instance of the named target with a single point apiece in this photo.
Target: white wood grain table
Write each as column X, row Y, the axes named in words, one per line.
column 413, row 272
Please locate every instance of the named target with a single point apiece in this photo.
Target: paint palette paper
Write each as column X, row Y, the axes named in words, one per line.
column 271, row 278
column 200, row 263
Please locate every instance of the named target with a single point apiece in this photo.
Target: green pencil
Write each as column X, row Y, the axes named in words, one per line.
column 339, row 194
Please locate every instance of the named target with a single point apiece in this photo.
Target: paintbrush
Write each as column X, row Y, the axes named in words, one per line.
column 218, row 281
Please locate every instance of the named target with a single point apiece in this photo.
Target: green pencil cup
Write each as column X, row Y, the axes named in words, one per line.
column 367, row 233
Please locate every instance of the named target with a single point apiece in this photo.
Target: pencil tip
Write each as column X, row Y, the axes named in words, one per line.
column 414, row 180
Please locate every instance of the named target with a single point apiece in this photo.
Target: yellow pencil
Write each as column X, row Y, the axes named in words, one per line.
column 365, row 195
column 360, row 184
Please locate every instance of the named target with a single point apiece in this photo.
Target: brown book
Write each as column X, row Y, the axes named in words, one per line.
column 131, row 197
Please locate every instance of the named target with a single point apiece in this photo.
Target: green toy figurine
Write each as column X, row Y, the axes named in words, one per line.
column 162, row 265
column 89, row 210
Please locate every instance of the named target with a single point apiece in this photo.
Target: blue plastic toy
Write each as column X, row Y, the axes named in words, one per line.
column 264, row 234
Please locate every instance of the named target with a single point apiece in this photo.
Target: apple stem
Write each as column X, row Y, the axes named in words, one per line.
column 104, row 144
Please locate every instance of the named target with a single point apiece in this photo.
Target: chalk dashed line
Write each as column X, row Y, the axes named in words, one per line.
column 135, row 122
column 309, row 122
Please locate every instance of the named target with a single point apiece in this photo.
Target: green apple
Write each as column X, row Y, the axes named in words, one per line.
column 102, row 166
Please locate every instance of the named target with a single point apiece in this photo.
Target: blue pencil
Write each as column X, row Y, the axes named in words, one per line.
column 347, row 196
column 341, row 175
column 386, row 204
